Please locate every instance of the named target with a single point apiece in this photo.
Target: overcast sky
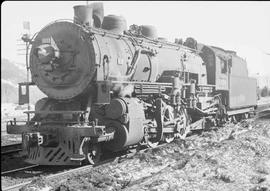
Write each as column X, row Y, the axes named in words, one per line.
column 240, row 26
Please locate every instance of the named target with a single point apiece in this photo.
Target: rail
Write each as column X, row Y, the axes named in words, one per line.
column 81, row 170
column 12, row 148
column 18, row 169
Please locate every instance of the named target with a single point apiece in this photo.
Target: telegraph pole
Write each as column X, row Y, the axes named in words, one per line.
column 27, row 40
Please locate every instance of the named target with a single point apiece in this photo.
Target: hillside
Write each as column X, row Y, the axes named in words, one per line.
column 11, row 74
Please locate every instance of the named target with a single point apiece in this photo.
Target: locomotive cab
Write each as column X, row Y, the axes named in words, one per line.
column 228, row 72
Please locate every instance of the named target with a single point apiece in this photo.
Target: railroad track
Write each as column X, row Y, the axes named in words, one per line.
column 262, row 107
column 11, row 160
column 80, row 170
column 11, row 149
column 264, row 114
column 18, row 169
column 263, row 111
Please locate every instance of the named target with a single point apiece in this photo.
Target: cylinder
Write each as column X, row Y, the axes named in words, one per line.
column 116, row 108
column 130, row 132
column 83, row 15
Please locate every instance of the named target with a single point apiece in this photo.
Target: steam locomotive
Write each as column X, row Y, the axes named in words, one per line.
column 110, row 88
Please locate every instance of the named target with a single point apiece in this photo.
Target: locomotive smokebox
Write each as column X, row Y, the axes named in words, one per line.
column 83, row 15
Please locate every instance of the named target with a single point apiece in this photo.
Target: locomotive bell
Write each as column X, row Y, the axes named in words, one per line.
column 83, row 14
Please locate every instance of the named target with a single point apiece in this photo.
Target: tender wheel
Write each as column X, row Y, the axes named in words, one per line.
column 93, row 154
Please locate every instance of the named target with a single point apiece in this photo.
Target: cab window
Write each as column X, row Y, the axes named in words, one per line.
column 223, row 65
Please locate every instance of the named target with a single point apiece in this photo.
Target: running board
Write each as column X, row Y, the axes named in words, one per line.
column 238, row 111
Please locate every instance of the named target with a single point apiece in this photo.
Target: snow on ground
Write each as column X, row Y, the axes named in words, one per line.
column 13, row 110
column 9, row 111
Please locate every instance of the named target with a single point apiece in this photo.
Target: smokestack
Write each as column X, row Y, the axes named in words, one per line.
column 83, row 15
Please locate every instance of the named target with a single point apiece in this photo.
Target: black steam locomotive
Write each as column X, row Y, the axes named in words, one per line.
column 110, row 88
